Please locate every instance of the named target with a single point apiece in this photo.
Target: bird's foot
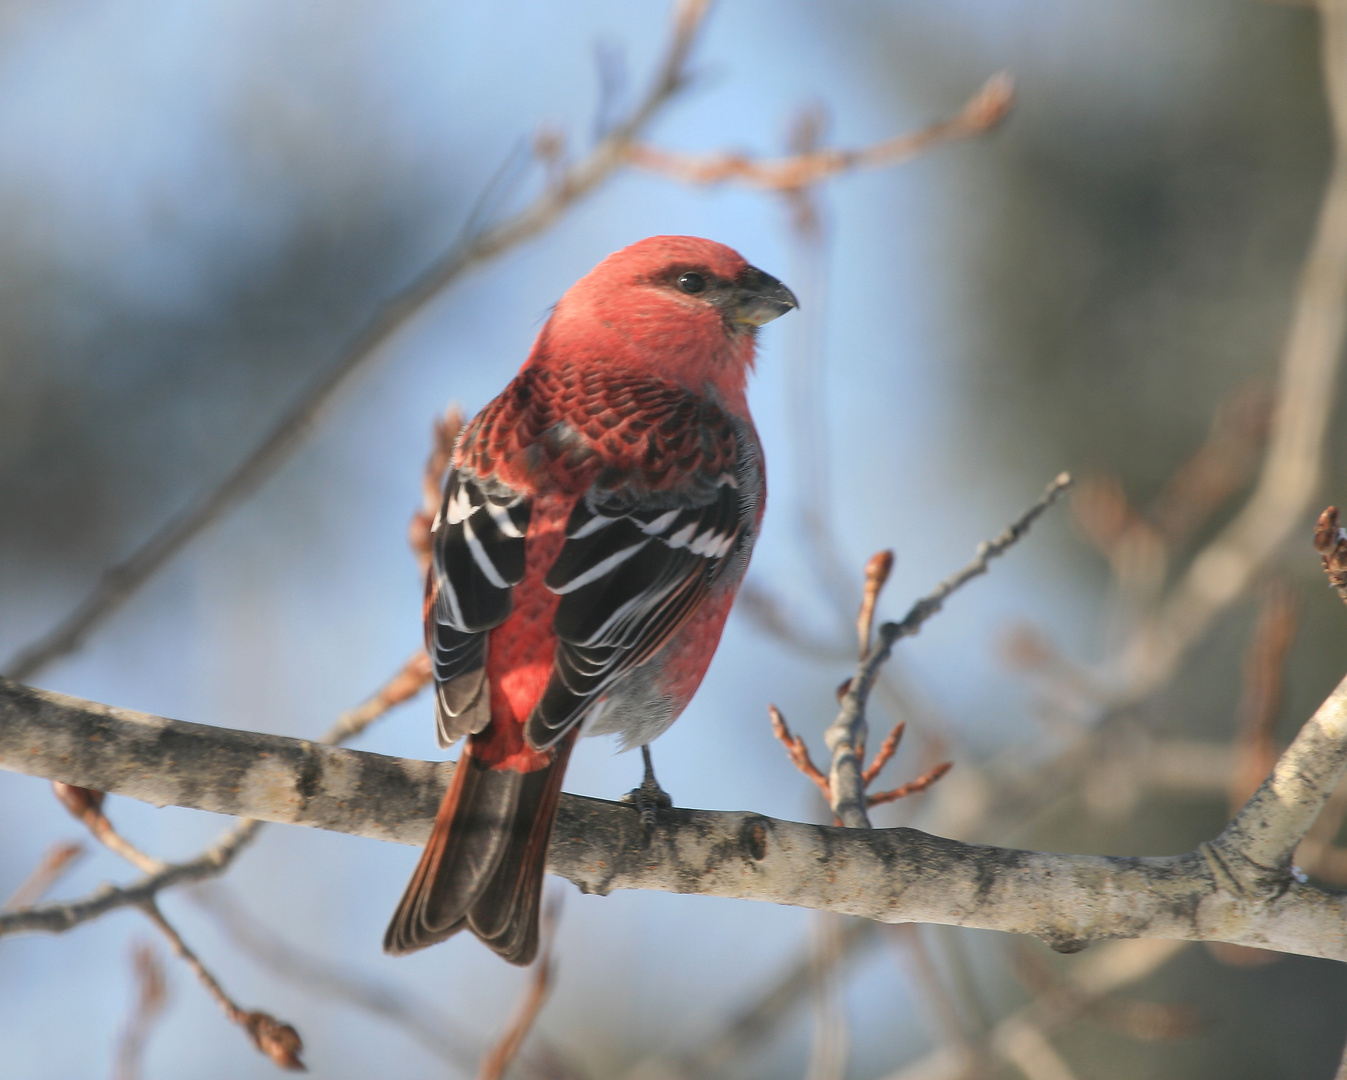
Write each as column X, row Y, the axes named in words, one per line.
column 649, row 797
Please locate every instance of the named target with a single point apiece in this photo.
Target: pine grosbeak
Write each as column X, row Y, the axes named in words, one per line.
column 597, row 520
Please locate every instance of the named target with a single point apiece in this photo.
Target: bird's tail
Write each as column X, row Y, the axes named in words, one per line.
column 483, row 866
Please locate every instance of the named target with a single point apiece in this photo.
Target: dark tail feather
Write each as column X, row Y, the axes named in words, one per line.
column 483, row 865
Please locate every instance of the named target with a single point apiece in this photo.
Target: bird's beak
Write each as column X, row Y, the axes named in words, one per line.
column 758, row 298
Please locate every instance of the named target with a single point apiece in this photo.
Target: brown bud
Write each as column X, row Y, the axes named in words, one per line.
column 79, row 801
column 278, row 1041
column 878, row 569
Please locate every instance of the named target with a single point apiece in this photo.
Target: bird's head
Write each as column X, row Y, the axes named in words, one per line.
column 683, row 307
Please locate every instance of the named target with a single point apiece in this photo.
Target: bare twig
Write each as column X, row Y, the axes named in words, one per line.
column 567, row 188
column 1264, row 669
column 278, row 1041
column 151, row 998
column 433, row 1029
column 912, row 787
column 987, row 108
column 829, row 1050
column 798, row 751
column 443, row 435
column 59, row 858
column 877, row 572
column 1102, row 972
column 410, row 680
column 887, row 749
column 1145, row 1021
column 750, row 1025
column 847, row 734
column 497, row 1060
column 768, row 614
column 87, row 807
column 935, row 994
column 1222, row 465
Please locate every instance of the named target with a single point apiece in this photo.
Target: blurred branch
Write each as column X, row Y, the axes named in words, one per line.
column 278, row 1041
column 443, row 435
column 1222, row 465
column 847, row 735
column 323, row 977
column 496, row 1061
column 151, row 998
column 987, row 108
column 829, row 1050
column 1094, row 977
column 59, row 858
column 1264, row 664
column 751, row 1025
column 1238, row 887
column 1293, row 468
column 409, row 681
column 568, row 187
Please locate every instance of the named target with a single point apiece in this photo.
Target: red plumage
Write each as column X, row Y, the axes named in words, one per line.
column 598, row 517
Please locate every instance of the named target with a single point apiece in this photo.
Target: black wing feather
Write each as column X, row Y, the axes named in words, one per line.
column 629, row 576
column 477, row 558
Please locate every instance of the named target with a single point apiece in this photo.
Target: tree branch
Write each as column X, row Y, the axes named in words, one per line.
column 1237, row 888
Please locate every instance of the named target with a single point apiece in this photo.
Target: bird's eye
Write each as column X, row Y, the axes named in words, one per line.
column 691, row 282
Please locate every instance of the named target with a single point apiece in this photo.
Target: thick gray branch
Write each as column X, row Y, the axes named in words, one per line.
column 892, row 875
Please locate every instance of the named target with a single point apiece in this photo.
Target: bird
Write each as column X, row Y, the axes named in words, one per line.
column 598, row 517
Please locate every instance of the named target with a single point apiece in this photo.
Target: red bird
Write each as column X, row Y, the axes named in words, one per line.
column 597, row 520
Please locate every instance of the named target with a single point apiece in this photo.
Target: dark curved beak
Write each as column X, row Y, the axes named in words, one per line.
column 758, row 298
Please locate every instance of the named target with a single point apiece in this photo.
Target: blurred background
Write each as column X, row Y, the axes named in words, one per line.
column 201, row 203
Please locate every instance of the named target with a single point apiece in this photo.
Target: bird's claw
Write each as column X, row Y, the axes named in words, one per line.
column 649, row 797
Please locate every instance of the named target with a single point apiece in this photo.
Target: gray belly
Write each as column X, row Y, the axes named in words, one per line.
column 633, row 710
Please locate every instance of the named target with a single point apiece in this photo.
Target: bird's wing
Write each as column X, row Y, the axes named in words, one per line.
column 633, row 569
column 477, row 559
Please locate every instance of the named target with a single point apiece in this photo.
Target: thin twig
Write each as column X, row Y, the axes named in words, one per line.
column 798, row 751
column 767, row 612
column 877, row 572
column 887, row 749
column 409, row 681
column 829, row 1051
column 443, row 435
column 1145, row 1021
column 987, row 108
column 121, row 580
column 847, row 733
column 1220, row 467
column 1103, row 971
column 59, row 858
column 1260, row 702
column 278, row 1041
column 318, row 975
column 912, row 787
column 87, row 807
column 151, row 998
column 497, row 1060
